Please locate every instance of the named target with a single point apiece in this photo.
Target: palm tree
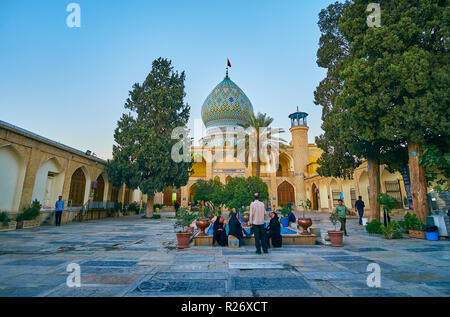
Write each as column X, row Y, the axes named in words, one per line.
column 265, row 138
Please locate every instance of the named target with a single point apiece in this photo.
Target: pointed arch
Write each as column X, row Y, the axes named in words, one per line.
column 12, row 175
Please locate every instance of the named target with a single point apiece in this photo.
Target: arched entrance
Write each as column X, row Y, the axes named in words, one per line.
column 77, row 188
column 315, row 197
column 49, row 182
column 99, row 191
column 12, row 173
column 192, row 192
column 285, row 194
column 170, row 195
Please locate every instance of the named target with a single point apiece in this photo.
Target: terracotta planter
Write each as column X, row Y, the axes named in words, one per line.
column 190, row 229
column 19, row 225
column 417, row 234
column 183, row 239
column 305, row 223
column 202, row 224
column 246, row 218
column 336, row 238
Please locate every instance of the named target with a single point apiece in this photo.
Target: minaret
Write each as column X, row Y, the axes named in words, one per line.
column 299, row 130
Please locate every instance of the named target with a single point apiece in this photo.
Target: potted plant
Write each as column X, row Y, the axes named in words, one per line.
column 413, row 226
column 374, row 227
column 184, row 220
column 29, row 218
column 304, row 222
column 6, row 223
column 431, row 233
column 284, row 211
column 336, row 236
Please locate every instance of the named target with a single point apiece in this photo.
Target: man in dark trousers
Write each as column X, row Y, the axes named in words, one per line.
column 359, row 206
column 257, row 213
column 59, row 207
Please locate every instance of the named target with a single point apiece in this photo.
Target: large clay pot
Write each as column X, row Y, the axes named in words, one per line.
column 183, row 239
column 246, row 218
column 202, row 224
column 336, row 238
column 19, row 225
column 305, row 223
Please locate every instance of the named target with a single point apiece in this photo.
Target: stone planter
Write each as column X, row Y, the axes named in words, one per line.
column 305, row 223
column 417, row 234
column 183, row 239
column 336, row 238
column 202, row 224
column 11, row 226
column 31, row 223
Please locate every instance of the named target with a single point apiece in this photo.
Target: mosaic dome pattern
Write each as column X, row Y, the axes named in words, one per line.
column 226, row 105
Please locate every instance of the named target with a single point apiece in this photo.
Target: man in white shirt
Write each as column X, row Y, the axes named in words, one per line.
column 257, row 213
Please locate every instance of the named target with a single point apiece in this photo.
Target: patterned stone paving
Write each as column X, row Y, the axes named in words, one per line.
column 131, row 256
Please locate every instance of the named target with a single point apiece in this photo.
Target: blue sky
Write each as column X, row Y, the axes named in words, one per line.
column 70, row 84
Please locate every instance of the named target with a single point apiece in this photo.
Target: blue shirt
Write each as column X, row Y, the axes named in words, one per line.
column 59, row 205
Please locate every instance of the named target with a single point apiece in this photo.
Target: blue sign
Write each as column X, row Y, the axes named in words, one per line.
column 414, row 153
column 407, row 183
column 341, row 196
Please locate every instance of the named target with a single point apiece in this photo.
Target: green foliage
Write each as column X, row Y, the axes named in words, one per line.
column 4, row 219
column 117, row 207
column 185, row 218
column 210, row 190
column 410, row 222
column 284, row 210
column 374, row 227
column 436, row 160
column 266, row 138
column 156, row 217
column 132, row 207
column 392, row 231
column 30, row 213
column 387, row 202
column 142, row 153
column 239, row 191
column 334, row 218
column 159, row 206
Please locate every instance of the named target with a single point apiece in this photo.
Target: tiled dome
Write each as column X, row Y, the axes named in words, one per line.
column 226, row 105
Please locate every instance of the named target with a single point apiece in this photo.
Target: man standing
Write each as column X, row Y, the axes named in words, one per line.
column 257, row 212
column 341, row 210
column 59, row 207
column 359, row 206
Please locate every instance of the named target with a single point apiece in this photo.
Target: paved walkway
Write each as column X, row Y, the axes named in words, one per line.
column 131, row 256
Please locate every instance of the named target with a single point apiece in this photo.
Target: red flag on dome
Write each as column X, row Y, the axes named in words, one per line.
column 229, row 64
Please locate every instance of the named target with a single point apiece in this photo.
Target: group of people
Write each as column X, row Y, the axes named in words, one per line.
column 264, row 236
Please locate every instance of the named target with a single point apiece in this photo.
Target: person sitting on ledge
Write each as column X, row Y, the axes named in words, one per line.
column 219, row 233
column 273, row 231
column 235, row 227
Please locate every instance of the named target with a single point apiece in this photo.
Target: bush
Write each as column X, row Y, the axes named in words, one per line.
column 374, row 227
column 392, row 230
column 156, row 216
column 132, row 207
column 159, row 206
column 410, row 222
column 117, row 207
column 4, row 219
column 284, row 211
column 185, row 218
column 31, row 213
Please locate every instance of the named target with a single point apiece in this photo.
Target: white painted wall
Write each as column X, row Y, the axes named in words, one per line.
column 323, row 195
column 12, row 174
column 47, row 190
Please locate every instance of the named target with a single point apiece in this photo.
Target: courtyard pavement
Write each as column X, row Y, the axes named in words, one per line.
column 131, row 256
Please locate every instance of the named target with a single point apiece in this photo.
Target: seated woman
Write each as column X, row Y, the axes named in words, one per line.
column 235, row 227
column 273, row 231
column 292, row 220
column 219, row 233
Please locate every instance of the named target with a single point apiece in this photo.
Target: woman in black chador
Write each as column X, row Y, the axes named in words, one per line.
column 235, row 227
column 273, row 231
column 219, row 233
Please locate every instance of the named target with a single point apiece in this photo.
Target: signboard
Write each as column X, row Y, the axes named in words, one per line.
column 406, row 181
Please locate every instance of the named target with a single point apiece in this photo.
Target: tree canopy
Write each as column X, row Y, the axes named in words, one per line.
column 142, row 153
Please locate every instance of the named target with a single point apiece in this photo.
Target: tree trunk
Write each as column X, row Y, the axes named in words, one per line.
column 374, row 184
column 418, row 181
column 149, row 207
column 258, row 157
